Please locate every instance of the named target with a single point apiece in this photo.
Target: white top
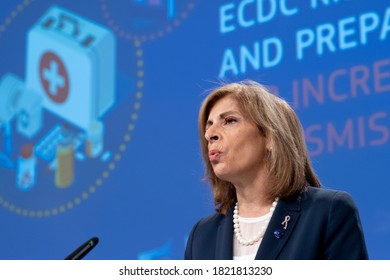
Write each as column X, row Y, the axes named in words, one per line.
column 248, row 227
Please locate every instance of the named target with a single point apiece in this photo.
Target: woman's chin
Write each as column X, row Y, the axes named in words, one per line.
column 222, row 174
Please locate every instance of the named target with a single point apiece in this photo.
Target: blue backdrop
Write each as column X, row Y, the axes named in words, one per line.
column 99, row 102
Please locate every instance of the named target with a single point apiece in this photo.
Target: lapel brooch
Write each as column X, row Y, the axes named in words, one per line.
column 278, row 233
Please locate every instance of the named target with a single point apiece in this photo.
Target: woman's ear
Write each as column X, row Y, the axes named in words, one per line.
column 269, row 145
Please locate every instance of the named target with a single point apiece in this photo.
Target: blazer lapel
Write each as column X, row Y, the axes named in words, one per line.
column 224, row 246
column 278, row 232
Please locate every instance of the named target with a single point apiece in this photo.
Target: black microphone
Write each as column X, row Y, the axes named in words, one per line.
column 84, row 249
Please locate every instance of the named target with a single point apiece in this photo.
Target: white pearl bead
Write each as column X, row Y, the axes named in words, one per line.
column 259, row 235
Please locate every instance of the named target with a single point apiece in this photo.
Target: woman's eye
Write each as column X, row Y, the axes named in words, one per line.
column 230, row 120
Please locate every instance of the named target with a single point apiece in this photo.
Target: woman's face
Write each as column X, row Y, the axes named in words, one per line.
column 236, row 147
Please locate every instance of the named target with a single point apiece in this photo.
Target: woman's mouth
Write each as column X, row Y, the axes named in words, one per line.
column 214, row 155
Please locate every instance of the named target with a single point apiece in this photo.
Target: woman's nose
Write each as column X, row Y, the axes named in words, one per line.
column 211, row 135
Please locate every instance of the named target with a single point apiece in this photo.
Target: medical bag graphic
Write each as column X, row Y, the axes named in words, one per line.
column 71, row 64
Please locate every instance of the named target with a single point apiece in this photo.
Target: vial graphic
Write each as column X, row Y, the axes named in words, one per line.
column 65, row 159
column 94, row 144
column 26, row 168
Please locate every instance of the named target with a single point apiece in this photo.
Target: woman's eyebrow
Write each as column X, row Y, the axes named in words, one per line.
column 222, row 116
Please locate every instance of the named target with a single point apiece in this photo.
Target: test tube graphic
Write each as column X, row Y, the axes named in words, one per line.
column 94, row 143
column 64, row 160
column 170, row 9
column 26, row 168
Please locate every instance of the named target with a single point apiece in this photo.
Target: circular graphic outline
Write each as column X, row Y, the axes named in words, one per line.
column 144, row 38
column 45, row 213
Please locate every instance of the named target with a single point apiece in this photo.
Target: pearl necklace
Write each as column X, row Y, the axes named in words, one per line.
column 260, row 233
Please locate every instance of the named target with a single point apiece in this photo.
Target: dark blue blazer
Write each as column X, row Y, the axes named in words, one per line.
column 324, row 224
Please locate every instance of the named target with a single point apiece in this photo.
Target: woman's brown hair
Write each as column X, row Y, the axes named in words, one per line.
column 289, row 167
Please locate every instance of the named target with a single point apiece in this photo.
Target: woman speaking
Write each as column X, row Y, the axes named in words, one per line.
column 269, row 201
